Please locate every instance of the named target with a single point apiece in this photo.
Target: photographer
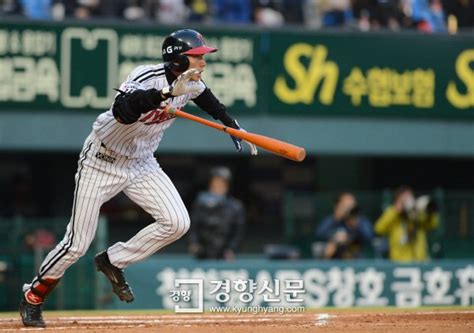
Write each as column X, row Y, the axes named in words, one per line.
column 217, row 220
column 345, row 231
column 406, row 223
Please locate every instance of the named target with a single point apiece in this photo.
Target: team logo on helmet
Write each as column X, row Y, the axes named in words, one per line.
column 199, row 36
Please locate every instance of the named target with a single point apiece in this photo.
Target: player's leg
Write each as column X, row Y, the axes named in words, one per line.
column 157, row 195
column 96, row 182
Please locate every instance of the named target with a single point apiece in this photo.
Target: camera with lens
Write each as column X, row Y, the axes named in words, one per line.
column 424, row 204
column 353, row 212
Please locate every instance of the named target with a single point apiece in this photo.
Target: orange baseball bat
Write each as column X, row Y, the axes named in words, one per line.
column 278, row 147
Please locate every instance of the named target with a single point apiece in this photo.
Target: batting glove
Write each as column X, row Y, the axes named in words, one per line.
column 181, row 85
column 238, row 141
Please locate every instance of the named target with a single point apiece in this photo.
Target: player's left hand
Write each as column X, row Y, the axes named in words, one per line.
column 238, row 141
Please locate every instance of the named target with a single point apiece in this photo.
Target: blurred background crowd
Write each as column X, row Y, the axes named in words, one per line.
column 364, row 15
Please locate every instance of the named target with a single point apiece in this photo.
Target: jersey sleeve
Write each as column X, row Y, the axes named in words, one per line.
column 199, row 91
column 209, row 103
column 132, row 84
column 129, row 86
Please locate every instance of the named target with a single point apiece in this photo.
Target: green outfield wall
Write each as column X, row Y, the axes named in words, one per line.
column 57, row 66
column 306, row 87
column 260, row 282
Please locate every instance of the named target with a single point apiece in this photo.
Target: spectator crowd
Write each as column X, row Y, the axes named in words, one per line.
column 402, row 228
column 364, row 15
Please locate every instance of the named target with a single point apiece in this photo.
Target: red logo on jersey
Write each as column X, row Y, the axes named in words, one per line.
column 156, row 116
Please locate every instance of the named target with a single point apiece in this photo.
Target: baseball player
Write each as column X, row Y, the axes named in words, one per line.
column 118, row 156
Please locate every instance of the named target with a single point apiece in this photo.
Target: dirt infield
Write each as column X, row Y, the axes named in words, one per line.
column 395, row 321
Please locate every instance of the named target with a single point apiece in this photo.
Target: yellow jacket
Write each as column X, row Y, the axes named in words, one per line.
column 406, row 237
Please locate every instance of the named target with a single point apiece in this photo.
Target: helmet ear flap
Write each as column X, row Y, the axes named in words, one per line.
column 182, row 62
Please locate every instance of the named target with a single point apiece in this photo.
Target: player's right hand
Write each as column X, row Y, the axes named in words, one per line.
column 238, row 141
column 181, row 85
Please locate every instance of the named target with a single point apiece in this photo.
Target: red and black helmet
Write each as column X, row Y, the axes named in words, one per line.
column 181, row 43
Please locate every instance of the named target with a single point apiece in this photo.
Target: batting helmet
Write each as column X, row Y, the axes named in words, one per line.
column 181, row 43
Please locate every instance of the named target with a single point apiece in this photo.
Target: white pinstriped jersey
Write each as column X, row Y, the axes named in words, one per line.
column 142, row 138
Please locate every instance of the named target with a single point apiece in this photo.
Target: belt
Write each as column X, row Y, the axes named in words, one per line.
column 114, row 153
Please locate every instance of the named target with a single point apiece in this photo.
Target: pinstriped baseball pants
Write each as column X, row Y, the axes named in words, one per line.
column 101, row 175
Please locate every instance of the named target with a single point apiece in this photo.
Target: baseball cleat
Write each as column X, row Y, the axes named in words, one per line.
column 115, row 275
column 31, row 315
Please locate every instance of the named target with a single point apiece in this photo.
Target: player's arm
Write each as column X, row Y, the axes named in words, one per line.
column 133, row 99
column 129, row 105
column 209, row 103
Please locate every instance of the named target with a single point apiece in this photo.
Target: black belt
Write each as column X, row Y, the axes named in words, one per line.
column 104, row 146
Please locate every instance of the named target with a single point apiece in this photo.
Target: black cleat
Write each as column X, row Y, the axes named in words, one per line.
column 31, row 315
column 119, row 285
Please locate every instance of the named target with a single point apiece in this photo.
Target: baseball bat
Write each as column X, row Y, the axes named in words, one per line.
column 275, row 146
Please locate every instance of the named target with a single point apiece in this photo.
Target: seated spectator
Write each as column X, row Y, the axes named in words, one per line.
column 171, row 12
column 198, row 10
column 10, row 7
column 37, row 9
column 267, row 14
column 406, row 223
column 345, row 231
column 336, row 13
column 232, row 11
column 376, row 15
column 429, row 16
column 87, row 9
column 134, row 11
